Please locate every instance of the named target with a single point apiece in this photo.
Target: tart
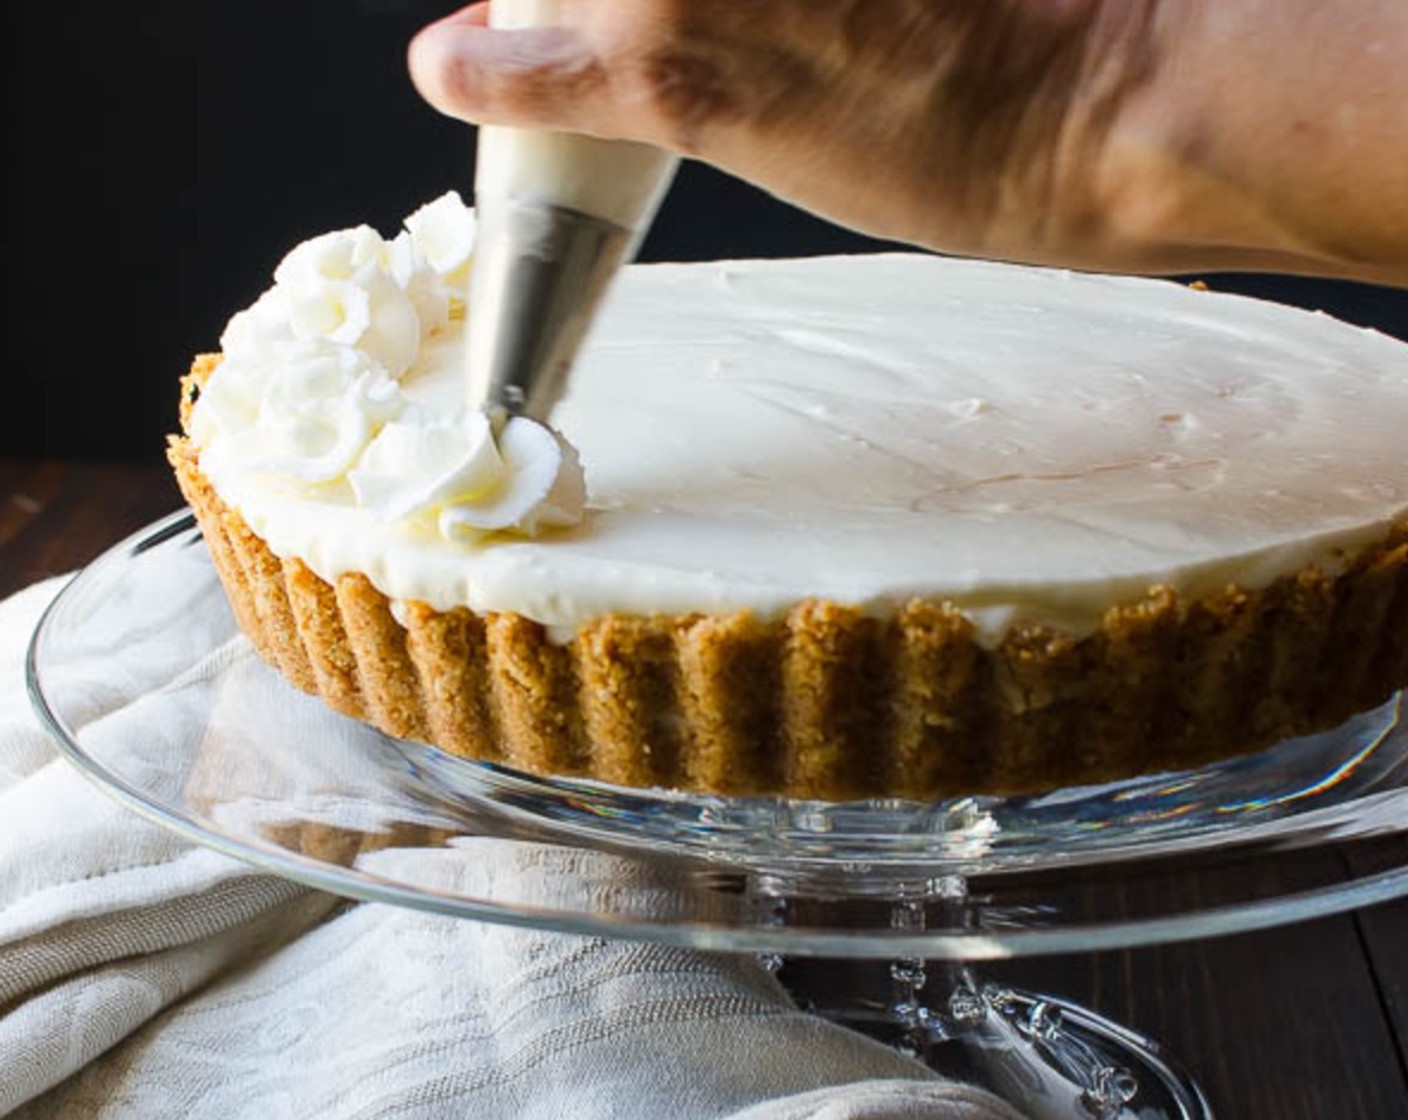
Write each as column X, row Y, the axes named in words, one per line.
column 869, row 526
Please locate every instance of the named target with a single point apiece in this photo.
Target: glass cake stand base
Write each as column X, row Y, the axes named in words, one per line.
column 1050, row 1059
column 139, row 671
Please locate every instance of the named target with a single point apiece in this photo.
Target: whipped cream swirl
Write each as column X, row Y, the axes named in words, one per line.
column 311, row 396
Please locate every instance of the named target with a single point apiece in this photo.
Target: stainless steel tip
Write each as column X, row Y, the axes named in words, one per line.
column 539, row 272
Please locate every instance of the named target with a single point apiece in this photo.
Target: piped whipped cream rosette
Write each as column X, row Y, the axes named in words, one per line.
column 528, row 480
column 312, row 398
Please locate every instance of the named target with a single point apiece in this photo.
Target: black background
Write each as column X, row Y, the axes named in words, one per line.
column 163, row 156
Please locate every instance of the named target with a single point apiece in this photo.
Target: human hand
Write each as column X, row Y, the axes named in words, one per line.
column 1135, row 135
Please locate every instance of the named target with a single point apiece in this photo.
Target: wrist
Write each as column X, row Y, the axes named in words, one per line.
column 1263, row 140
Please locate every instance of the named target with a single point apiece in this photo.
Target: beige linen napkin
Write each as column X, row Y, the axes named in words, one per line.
column 141, row 976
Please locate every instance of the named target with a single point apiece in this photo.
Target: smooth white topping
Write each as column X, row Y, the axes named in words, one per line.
column 307, row 401
column 1028, row 444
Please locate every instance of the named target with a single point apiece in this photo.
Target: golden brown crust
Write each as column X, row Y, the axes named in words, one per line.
column 829, row 702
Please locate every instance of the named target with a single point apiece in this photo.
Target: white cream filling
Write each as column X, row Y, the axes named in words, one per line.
column 1028, row 444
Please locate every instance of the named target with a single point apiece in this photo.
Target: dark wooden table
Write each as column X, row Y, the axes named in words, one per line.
column 1305, row 1022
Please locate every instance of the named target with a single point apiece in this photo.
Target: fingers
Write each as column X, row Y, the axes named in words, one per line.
column 966, row 126
column 656, row 71
column 543, row 77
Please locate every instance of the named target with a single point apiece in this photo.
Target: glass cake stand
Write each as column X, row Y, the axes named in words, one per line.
column 139, row 671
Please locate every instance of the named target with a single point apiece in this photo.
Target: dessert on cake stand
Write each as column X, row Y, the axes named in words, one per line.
column 914, row 897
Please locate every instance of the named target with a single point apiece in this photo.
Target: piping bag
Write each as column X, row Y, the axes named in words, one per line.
column 557, row 216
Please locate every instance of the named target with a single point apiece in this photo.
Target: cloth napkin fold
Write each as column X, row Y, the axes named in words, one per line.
column 142, row 976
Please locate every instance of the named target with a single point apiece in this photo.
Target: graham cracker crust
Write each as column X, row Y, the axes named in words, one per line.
column 828, row 702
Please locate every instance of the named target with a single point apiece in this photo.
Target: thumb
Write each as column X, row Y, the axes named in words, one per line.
column 541, row 77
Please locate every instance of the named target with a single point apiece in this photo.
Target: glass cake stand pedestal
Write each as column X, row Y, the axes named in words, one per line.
column 139, row 671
